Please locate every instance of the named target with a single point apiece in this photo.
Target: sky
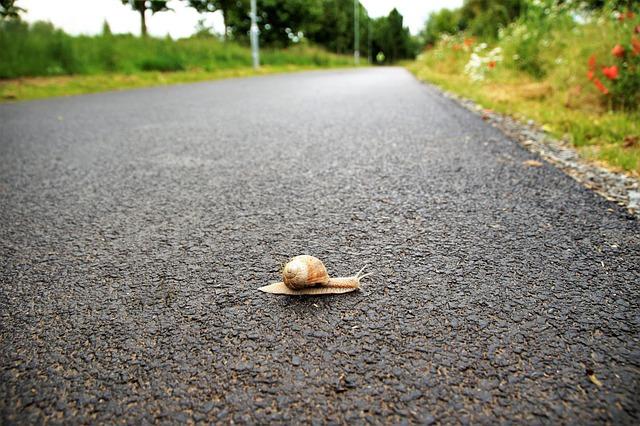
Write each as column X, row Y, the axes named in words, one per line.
column 88, row 16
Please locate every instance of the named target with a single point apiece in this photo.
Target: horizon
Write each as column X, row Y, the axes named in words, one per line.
column 88, row 19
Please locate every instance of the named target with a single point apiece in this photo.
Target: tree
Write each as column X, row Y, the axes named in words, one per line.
column 392, row 39
column 281, row 22
column 224, row 6
column 336, row 27
column 443, row 22
column 141, row 6
column 8, row 10
column 485, row 17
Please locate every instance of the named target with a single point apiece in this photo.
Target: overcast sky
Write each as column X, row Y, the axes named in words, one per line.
column 87, row 16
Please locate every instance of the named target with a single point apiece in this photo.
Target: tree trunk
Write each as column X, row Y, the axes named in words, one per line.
column 225, row 16
column 143, row 22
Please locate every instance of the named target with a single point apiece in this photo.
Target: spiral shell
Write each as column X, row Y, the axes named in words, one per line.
column 304, row 271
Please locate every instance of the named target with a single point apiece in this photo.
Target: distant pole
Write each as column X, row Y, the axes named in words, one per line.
column 369, row 41
column 356, row 32
column 255, row 54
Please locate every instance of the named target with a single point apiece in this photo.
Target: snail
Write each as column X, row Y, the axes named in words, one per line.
column 307, row 275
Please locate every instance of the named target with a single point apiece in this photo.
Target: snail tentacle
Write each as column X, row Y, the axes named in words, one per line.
column 347, row 282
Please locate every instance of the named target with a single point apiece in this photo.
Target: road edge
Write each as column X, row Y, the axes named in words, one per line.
column 622, row 189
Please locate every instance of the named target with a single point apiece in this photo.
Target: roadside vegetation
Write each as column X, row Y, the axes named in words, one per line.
column 39, row 60
column 572, row 67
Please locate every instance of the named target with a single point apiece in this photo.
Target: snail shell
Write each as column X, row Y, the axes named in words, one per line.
column 304, row 271
column 307, row 275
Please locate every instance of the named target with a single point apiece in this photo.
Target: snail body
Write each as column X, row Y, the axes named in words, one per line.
column 307, row 275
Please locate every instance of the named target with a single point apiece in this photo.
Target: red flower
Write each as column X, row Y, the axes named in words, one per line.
column 600, row 86
column 628, row 15
column 618, row 51
column 592, row 62
column 469, row 41
column 590, row 75
column 491, row 64
column 636, row 45
column 610, row 72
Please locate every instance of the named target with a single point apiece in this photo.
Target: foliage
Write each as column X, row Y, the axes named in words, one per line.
column 439, row 23
column 224, row 6
column 525, row 39
column 483, row 18
column 621, row 68
column 141, row 6
column 392, row 38
column 546, row 74
column 42, row 50
column 8, row 10
column 328, row 23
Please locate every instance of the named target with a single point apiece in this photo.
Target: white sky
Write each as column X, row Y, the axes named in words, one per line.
column 87, row 16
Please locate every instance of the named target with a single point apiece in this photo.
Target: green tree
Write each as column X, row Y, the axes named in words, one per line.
column 106, row 29
column 336, row 29
column 281, row 22
column 443, row 22
column 141, row 6
column 392, row 39
column 485, row 17
column 8, row 9
column 224, row 6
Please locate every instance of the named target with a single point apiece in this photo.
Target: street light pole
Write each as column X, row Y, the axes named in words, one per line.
column 253, row 33
column 356, row 32
column 369, row 40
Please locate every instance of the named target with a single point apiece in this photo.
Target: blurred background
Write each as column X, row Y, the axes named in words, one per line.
column 570, row 66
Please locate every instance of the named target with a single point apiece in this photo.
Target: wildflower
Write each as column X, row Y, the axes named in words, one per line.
column 628, row 15
column 491, row 64
column 590, row 75
column 600, row 86
column 469, row 41
column 636, row 45
column 618, row 51
column 610, row 72
column 592, row 62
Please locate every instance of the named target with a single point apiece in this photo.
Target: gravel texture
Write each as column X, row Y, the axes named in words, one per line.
column 137, row 226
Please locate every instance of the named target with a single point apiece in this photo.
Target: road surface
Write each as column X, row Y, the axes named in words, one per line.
column 136, row 227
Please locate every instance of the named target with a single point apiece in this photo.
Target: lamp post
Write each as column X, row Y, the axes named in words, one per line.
column 253, row 33
column 356, row 32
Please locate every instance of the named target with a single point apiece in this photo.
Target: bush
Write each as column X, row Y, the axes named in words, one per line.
column 621, row 69
column 525, row 40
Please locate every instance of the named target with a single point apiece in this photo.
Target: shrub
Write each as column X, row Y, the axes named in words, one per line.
column 617, row 76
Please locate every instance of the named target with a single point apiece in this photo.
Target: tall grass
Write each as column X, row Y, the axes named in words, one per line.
column 42, row 50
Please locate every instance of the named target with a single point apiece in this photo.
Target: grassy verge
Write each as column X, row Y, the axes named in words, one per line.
column 40, row 61
column 46, row 87
column 561, row 97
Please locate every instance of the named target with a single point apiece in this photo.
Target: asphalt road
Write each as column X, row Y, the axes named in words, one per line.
column 137, row 226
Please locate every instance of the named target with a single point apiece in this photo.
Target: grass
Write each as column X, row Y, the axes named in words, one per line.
column 39, row 61
column 28, row 88
column 563, row 100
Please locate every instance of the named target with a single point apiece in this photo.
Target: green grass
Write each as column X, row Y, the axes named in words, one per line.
column 39, row 61
column 46, row 87
column 561, row 99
